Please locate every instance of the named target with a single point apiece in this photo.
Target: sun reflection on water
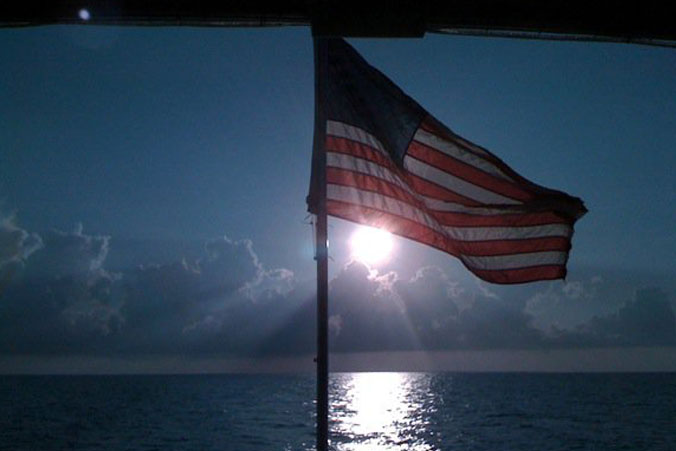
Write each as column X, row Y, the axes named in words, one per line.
column 380, row 411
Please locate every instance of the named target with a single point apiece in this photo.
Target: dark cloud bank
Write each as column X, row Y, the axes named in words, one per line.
column 58, row 298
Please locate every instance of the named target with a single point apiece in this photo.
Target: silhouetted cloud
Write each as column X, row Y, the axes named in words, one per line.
column 214, row 304
column 68, row 254
column 568, row 304
column 646, row 320
column 62, row 300
column 370, row 312
column 16, row 245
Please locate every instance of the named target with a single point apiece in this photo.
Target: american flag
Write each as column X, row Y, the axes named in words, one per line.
column 389, row 164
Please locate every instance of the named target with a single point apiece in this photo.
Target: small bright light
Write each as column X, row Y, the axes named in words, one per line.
column 84, row 14
column 371, row 245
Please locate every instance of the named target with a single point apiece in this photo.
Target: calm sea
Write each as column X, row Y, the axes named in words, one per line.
column 369, row 411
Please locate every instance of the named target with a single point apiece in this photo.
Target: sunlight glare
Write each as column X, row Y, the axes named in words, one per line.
column 370, row 245
column 381, row 411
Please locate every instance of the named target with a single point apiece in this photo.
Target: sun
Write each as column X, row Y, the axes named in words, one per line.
column 370, row 245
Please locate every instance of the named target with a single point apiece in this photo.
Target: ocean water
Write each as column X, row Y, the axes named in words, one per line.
column 369, row 411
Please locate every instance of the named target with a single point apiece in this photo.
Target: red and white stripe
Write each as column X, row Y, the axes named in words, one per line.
column 449, row 194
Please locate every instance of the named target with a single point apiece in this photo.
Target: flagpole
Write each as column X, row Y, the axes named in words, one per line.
column 322, row 256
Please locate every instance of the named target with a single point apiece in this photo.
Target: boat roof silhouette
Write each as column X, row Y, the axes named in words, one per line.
column 644, row 22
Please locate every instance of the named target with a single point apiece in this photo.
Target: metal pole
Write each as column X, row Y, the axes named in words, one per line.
column 319, row 165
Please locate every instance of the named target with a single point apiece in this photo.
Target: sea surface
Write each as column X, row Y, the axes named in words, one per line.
column 369, row 411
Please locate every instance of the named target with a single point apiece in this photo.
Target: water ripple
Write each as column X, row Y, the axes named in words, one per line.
column 369, row 411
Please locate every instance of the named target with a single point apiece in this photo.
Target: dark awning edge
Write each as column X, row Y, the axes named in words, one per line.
column 646, row 22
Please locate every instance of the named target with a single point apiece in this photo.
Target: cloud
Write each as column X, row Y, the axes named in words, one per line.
column 218, row 303
column 365, row 313
column 16, row 245
column 492, row 323
column 229, row 264
column 362, row 300
column 68, row 254
column 94, row 306
column 573, row 290
column 64, row 301
column 270, row 283
column 565, row 305
column 430, row 305
column 374, row 312
column 646, row 320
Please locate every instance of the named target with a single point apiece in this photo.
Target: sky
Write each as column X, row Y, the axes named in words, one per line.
column 153, row 218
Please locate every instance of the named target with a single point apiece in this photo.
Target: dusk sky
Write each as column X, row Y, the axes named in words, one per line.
column 153, row 217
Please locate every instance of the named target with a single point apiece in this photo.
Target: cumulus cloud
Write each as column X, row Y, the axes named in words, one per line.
column 16, row 245
column 270, row 283
column 371, row 311
column 63, row 299
column 209, row 305
column 565, row 305
column 94, row 306
column 68, row 254
column 67, row 300
column 646, row 320
column 494, row 323
column 226, row 301
column 573, row 290
column 229, row 264
column 430, row 302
